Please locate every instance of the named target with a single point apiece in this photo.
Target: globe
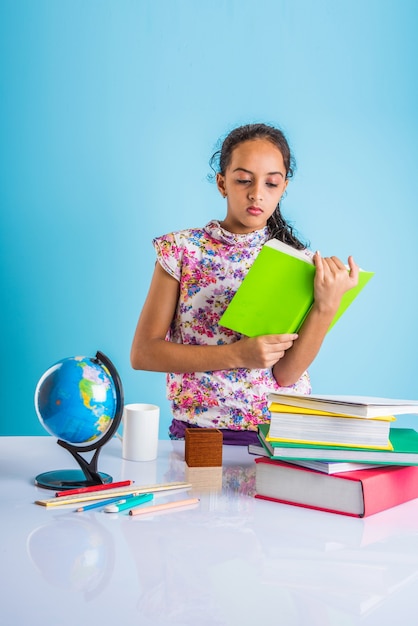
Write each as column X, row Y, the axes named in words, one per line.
column 79, row 400
column 76, row 399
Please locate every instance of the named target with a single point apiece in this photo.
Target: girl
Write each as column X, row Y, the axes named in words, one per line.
column 216, row 377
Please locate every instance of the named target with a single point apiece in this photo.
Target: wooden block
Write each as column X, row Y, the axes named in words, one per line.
column 203, row 447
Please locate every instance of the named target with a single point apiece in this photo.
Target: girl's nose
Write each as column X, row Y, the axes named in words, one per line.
column 255, row 193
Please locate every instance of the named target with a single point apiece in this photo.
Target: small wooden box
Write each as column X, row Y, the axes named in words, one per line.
column 203, row 447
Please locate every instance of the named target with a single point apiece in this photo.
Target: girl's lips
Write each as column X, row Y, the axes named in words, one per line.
column 254, row 210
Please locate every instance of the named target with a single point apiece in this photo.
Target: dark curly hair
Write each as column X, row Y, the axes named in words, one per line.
column 277, row 225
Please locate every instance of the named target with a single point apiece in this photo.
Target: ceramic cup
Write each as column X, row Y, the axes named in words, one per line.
column 140, row 432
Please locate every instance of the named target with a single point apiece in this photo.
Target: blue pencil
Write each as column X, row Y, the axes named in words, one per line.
column 102, row 503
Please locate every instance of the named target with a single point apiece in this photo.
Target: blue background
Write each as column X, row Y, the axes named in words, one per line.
column 109, row 114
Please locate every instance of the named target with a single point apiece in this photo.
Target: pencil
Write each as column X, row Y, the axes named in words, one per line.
column 102, row 503
column 93, row 488
column 163, row 507
column 121, row 492
column 129, row 503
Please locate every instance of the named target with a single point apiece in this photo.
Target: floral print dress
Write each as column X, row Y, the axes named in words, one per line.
column 210, row 263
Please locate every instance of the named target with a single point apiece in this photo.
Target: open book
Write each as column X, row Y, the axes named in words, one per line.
column 278, row 292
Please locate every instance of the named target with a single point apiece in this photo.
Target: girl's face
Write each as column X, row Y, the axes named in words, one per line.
column 253, row 184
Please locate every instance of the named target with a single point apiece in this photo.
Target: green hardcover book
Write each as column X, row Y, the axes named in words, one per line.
column 403, row 440
column 278, row 292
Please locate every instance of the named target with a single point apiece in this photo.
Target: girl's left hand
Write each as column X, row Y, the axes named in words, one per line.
column 332, row 280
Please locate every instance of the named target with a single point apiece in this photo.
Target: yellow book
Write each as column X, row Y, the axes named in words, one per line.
column 275, row 407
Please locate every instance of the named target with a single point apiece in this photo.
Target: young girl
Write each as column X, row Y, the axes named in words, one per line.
column 216, row 377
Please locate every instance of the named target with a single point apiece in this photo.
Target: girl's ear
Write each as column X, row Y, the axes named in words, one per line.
column 220, row 182
column 286, row 182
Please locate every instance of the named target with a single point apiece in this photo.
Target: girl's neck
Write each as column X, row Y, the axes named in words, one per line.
column 236, row 230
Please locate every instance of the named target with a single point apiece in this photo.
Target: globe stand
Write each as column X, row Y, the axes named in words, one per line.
column 88, row 475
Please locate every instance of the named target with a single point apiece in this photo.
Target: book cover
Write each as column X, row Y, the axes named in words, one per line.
column 404, row 443
column 359, row 493
column 356, row 406
column 278, row 292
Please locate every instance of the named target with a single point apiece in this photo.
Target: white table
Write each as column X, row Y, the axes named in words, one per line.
column 232, row 560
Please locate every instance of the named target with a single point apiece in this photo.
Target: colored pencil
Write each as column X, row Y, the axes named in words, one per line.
column 128, row 504
column 163, row 507
column 71, row 492
column 103, row 503
column 102, row 495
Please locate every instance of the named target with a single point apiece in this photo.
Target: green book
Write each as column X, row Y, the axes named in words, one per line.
column 403, row 440
column 278, row 292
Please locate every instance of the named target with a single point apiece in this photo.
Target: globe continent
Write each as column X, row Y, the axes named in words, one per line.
column 76, row 400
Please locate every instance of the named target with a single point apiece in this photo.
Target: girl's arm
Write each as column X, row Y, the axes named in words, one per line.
column 150, row 351
column 331, row 281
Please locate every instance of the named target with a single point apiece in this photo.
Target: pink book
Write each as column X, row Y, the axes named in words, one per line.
column 359, row 493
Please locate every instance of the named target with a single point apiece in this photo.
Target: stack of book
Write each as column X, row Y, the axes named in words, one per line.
column 337, row 453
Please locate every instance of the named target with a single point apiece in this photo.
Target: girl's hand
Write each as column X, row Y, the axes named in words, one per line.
column 264, row 351
column 332, row 280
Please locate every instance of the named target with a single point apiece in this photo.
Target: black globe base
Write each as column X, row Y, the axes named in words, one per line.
column 68, row 479
column 87, row 475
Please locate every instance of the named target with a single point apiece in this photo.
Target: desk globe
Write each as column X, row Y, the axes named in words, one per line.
column 79, row 400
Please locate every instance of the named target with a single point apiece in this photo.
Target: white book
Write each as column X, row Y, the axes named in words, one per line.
column 357, row 406
column 320, row 466
column 347, row 431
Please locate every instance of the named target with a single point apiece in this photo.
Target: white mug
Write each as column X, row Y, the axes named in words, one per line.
column 140, row 432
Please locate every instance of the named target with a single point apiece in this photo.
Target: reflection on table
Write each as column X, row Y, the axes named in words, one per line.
column 230, row 560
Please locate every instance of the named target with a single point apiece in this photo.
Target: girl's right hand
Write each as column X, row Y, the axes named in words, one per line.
column 332, row 280
column 263, row 351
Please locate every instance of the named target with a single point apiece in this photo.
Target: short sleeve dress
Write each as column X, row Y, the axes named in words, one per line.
column 210, row 263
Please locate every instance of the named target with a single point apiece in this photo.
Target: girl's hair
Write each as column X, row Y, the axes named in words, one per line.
column 277, row 225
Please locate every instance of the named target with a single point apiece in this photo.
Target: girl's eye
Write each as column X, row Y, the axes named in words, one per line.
column 272, row 185
column 242, row 181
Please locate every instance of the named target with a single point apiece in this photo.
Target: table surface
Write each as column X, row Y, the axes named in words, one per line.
column 231, row 560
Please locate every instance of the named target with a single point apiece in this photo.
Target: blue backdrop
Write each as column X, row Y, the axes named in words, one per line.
column 110, row 111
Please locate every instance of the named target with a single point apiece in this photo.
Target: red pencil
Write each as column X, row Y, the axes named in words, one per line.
column 70, row 492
